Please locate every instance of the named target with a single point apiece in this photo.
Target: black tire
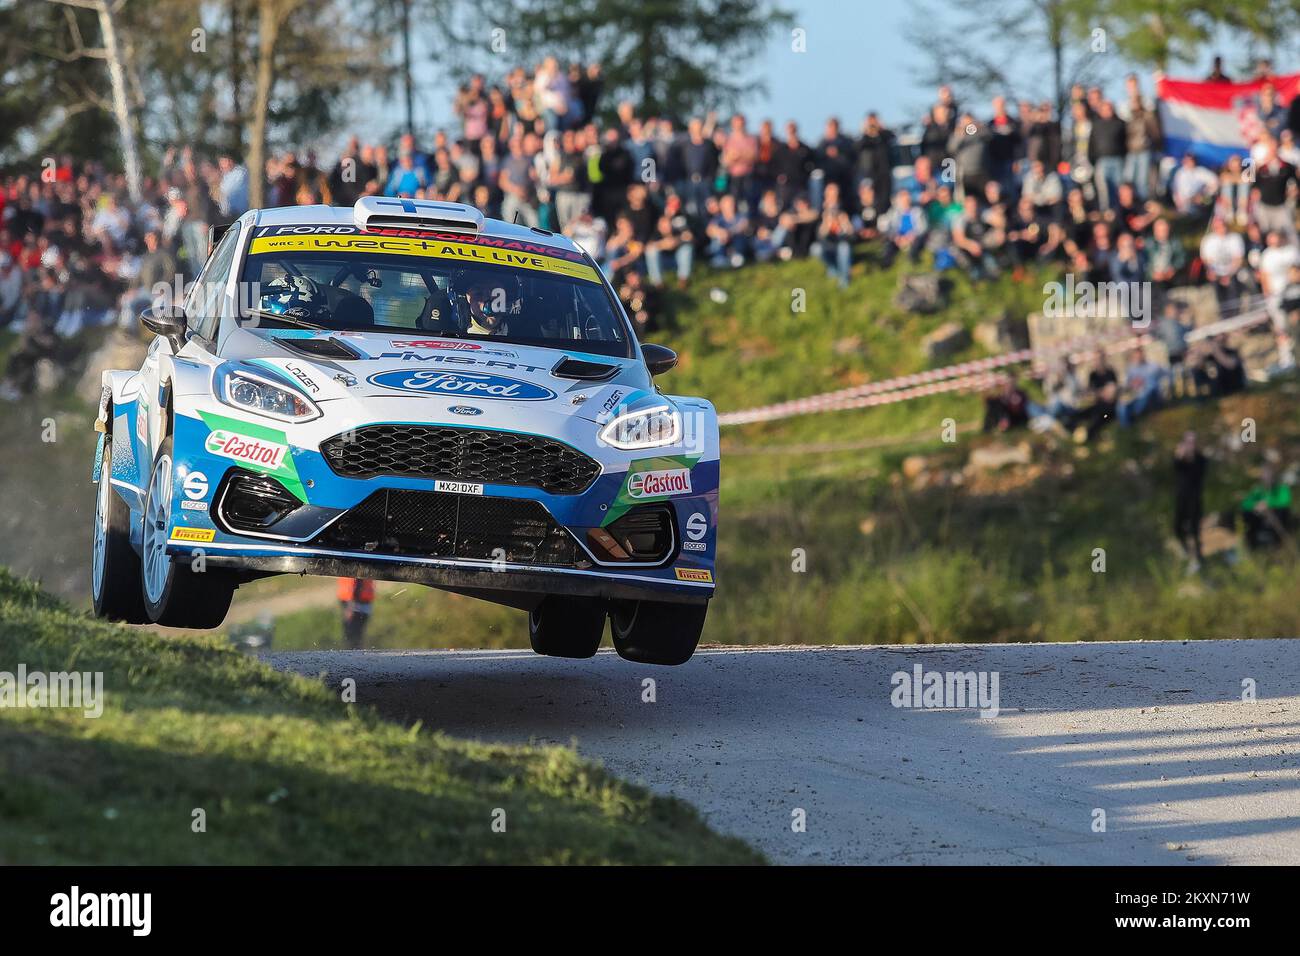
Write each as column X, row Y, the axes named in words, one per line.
column 115, row 574
column 188, row 598
column 566, row 626
column 656, row 632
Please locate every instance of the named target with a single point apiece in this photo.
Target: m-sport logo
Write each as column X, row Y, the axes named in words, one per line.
column 464, row 384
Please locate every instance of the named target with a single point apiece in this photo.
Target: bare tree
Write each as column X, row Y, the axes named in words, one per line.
column 114, row 58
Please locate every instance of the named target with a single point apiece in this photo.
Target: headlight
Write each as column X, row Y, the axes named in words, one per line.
column 649, row 428
column 264, row 397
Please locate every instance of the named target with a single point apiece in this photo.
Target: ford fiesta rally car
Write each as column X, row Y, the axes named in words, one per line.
column 407, row 391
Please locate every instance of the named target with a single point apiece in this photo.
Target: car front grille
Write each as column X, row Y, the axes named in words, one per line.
column 436, row 525
column 461, row 454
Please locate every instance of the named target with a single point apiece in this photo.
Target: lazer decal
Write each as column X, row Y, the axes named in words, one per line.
column 257, row 447
column 303, row 377
column 694, row 574
column 193, row 534
column 468, row 384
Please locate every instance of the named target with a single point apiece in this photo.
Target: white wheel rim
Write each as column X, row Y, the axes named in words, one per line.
column 102, row 503
column 157, row 564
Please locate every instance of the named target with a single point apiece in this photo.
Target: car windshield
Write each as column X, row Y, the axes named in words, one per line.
column 443, row 288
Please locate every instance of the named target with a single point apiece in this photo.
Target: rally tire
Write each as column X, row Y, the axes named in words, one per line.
column 567, row 626
column 174, row 594
column 115, row 567
column 656, row 632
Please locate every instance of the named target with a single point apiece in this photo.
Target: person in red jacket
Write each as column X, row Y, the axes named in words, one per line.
column 356, row 601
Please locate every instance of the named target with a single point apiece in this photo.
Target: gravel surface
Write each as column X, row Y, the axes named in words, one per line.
column 1155, row 734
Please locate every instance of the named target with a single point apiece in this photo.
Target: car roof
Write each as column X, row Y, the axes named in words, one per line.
column 342, row 216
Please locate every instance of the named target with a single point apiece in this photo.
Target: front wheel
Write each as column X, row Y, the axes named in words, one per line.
column 175, row 593
column 656, row 632
column 566, row 626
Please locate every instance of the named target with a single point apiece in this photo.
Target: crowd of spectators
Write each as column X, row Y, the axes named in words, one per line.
column 988, row 191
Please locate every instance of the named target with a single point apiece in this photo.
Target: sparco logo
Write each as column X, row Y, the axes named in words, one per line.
column 467, row 384
column 657, row 484
column 228, row 445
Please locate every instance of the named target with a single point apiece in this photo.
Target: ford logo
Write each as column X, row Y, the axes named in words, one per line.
column 464, row 410
column 461, row 384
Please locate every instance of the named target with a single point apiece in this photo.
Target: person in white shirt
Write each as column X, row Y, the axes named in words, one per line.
column 1275, row 263
column 1193, row 188
column 1223, row 253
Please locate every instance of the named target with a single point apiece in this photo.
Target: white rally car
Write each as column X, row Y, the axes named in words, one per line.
column 407, row 391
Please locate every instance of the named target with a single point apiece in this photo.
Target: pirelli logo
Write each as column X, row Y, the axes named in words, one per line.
column 193, row 534
column 694, row 574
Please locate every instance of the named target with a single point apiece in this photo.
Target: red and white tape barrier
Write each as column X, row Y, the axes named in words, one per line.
column 967, row 376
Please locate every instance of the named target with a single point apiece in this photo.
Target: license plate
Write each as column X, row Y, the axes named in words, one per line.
column 458, row 487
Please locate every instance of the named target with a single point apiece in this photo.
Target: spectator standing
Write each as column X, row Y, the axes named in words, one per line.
column 875, row 158
column 1189, row 490
column 1275, row 181
column 518, row 186
column 969, row 147
column 1107, row 148
column 232, row 194
column 739, row 156
column 1143, row 140
column 1005, row 145
column 356, row 602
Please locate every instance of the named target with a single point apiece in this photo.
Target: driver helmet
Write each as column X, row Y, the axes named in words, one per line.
column 295, row 297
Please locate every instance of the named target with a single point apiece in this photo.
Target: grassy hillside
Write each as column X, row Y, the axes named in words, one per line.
column 284, row 772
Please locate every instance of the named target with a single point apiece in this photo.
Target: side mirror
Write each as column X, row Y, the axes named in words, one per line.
column 658, row 358
column 168, row 323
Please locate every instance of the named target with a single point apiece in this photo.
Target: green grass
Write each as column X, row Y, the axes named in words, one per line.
column 285, row 772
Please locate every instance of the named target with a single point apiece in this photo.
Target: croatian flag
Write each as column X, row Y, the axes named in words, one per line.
column 1215, row 120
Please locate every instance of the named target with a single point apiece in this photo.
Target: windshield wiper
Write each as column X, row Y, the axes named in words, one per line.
column 287, row 320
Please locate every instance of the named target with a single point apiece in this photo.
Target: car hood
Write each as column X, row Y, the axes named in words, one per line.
column 443, row 379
